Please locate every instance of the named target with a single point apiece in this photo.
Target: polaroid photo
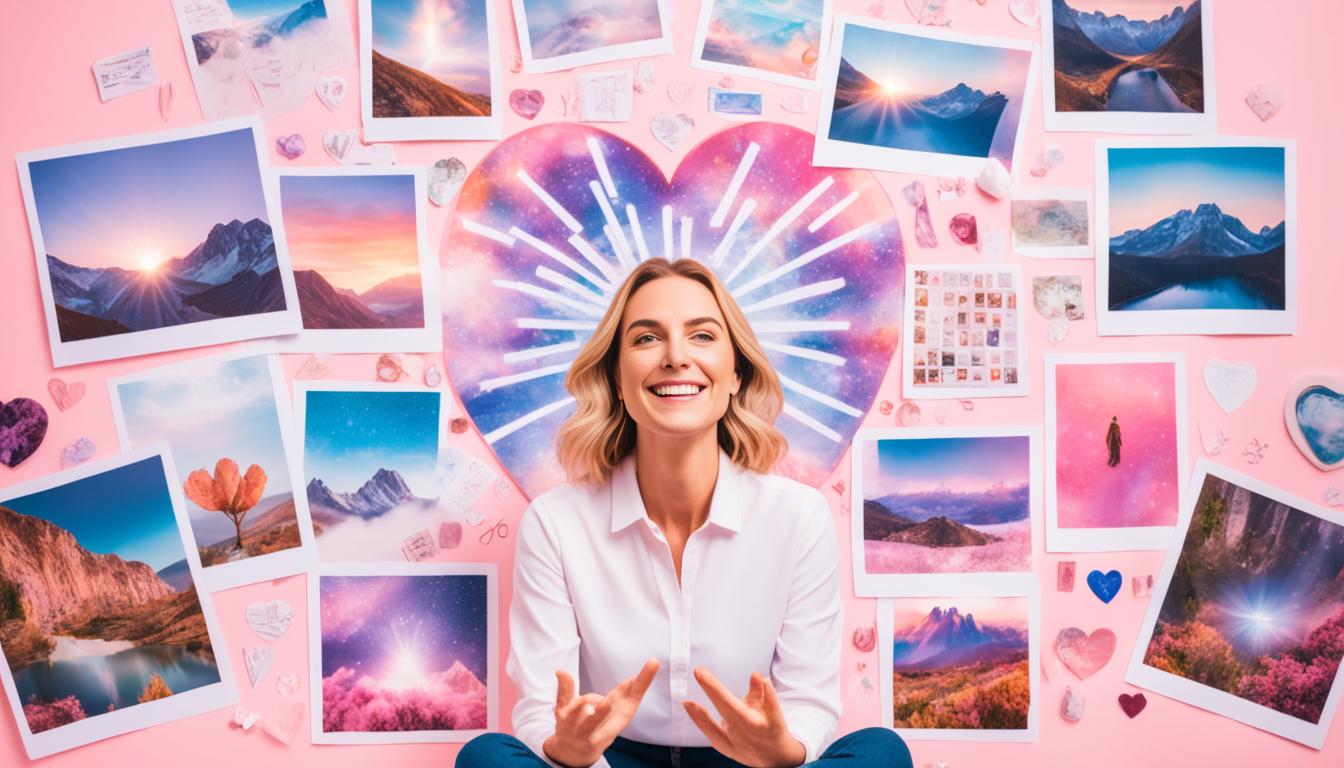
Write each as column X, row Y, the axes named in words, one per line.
column 429, row 77
column 564, row 34
column 125, row 73
column 226, row 421
column 607, row 96
column 403, row 653
column 961, row 668
column 1247, row 620
column 973, row 312
column 250, row 56
column 158, row 242
column 777, row 42
column 1128, row 66
column 103, row 629
column 1050, row 223
column 367, row 277
column 915, row 99
column 939, row 511
column 1196, row 235
column 736, row 105
column 1115, row 466
column 374, row 465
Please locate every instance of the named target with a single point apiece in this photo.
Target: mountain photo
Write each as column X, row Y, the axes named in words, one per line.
column 923, row 512
column 1197, row 228
column 371, row 462
column 960, row 664
column 429, row 59
column 403, row 653
column 909, row 92
column 562, row 27
column 213, row 410
column 1255, row 606
column 87, row 623
column 783, row 38
column 155, row 236
column 354, row 243
column 1128, row 56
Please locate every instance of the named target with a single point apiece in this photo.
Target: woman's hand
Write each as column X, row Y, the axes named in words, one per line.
column 586, row 725
column 753, row 731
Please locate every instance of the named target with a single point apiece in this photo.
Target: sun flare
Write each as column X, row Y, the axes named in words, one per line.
column 150, row 261
column 405, row 669
column 429, row 33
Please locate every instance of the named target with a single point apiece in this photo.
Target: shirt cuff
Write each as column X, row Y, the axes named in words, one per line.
column 809, row 729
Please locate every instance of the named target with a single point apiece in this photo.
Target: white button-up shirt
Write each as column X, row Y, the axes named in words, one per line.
column 595, row 593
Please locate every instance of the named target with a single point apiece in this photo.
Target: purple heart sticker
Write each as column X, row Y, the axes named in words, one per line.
column 526, row 103
column 23, row 424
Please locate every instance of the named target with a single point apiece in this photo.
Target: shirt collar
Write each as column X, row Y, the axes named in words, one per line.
column 627, row 506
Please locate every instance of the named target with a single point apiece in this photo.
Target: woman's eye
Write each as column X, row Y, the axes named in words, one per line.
column 640, row 338
column 704, row 335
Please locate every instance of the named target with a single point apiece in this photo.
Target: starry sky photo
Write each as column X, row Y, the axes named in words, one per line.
column 395, row 628
column 348, row 436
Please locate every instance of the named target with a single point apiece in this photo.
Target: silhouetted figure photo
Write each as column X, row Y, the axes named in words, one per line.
column 1113, row 443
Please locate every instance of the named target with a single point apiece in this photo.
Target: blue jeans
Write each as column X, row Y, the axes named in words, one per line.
column 867, row 747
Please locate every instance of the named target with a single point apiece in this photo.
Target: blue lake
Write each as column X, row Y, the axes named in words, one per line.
column 116, row 679
column 1219, row 293
column 1143, row 90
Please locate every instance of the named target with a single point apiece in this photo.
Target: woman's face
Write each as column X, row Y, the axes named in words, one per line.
column 675, row 367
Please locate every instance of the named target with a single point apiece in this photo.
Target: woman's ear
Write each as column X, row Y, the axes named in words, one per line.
column 737, row 382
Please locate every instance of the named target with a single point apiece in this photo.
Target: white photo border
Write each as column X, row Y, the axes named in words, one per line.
column 428, row 338
column 1194, row 321
column 699, row 61
column 439, row 127
column 315, row 576
column 956, row 392
column 834, row 153
column 656, row 46
column 1059, row 539
column 179, row 706
column 1200, row 695
column 885, row 630
column 965, row 584
column 1155, row 123
column 1072, row 194
column 173, row 337
column 272, row 565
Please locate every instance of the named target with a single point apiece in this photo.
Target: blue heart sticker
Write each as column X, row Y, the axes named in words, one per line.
column 1105, row 585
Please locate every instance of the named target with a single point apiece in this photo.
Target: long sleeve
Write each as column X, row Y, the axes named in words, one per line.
column 543, row 631
column 806, row 666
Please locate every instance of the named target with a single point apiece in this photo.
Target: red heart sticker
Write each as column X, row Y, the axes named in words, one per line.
column 1133, row 705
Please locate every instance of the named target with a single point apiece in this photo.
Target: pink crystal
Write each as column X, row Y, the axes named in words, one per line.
column 526, row 103
column 963, row 229
column 450, row 535
column 914, row 195
column 885, row 407
column 1071, row 708
column 1064, row 576
column 1265, row 100
column 290, row 146
column 995, row 179
column 865, row 639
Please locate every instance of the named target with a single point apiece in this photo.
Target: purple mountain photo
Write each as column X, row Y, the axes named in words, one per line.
column 999, row 503
column 233, row 272
column 1118, row 34
column 1205, row 231
column 946, row 637
column 383, row 492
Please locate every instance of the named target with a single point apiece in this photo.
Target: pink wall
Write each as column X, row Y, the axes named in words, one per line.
column 49, row 99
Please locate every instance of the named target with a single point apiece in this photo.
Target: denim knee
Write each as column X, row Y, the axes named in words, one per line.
column 880, row 747
column 487, row 750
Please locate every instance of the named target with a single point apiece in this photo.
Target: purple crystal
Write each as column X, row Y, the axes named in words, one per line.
column 23, row 424
column 924, row 234
column 290, row 146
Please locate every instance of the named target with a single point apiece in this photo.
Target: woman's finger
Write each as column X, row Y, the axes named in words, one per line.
column 774, row 711
column 714, row 731
column 729, row 706
column 564, row 688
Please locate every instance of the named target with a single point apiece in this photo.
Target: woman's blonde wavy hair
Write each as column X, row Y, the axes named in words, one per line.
column 600, row 433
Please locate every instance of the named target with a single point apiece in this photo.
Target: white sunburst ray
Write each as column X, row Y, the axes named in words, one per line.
column 779, row 226
column 805, row 258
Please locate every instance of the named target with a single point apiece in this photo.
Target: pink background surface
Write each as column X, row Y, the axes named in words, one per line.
column 50, row 99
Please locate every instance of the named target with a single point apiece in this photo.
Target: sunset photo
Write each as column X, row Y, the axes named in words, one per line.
column 427, row 58
column 769, row 39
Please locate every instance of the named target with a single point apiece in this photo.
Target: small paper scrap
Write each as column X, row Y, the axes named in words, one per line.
column 450, row 534
column 125, row 73
column 736, row 105
column 419, row 546
column 270, row 620
column 287, row 684
column 283, row 725
column 1066, row 572
column 258, row 662
column 345, row 148
column 1143, row 585
column 244, row 719
column 1265, row 100
column 606, row 97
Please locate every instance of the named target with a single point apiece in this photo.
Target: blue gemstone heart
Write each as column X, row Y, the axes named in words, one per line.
column 1320, row 415
column 1105, row 585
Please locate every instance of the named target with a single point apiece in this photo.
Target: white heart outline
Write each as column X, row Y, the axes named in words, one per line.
column 1332, row 382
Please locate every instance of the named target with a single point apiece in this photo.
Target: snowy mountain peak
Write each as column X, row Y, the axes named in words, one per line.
column 959, row 100
column 1204, row 231
column 1119, row 34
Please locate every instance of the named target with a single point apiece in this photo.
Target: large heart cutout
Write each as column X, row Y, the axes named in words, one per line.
column 1231, row 384
column 1314, row 415
column 551, row 221
column 23, row 425
column 1082, row 653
